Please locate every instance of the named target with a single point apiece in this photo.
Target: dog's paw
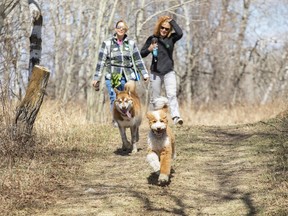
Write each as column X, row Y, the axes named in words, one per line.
column 125, row 149
column 163, row 179
column 134, row 151
column 157, row 173
column 126, row 146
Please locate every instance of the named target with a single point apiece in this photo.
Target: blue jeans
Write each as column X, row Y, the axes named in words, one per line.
column 111, row 92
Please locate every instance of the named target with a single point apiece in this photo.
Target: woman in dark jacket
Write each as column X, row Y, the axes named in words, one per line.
column 161, row 45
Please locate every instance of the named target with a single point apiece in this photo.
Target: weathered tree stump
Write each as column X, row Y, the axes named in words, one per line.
column 27, row 110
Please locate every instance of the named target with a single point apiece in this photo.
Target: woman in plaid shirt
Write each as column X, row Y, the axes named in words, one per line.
column 118, row 54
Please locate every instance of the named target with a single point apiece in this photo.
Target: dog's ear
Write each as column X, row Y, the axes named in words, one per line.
column 127, row 89
column 165, row 109
column 149, row 115
column 116, row 91
column 163, row 115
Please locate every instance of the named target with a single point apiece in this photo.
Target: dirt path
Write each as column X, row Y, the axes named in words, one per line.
column 217, row 172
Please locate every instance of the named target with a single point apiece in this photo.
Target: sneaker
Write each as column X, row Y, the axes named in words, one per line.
column 178, row 120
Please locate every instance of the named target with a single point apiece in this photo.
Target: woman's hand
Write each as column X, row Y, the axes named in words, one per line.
column 96, row 85
column 152, row 46
column 146, row 79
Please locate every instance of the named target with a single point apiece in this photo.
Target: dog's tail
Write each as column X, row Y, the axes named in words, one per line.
column 130, row 86
column 160, row 103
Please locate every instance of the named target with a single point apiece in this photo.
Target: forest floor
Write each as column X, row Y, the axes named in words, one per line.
column 218, row 171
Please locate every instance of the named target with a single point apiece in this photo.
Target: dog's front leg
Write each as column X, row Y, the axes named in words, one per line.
column 153, row 159
column 134, row 131
column 125, row 142
column 165, row 165
column 137, row 134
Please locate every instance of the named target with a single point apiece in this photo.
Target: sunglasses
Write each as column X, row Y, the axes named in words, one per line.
column 121, row 27
column 167, row 29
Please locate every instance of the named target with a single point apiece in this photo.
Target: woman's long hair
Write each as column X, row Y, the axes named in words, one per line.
column 158, row 25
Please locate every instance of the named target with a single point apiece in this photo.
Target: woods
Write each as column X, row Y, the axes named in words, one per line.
column 232, row 76
column 232, row 52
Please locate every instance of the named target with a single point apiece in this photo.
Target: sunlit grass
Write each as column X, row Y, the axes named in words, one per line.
column 241, row 114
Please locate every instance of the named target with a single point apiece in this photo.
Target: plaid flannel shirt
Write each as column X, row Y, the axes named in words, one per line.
column 117, row 60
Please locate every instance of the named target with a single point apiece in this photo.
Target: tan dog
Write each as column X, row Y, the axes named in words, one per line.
column 161, row 140
column 127, row 113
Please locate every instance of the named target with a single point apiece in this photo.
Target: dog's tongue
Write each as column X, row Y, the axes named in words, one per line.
column 128, row 114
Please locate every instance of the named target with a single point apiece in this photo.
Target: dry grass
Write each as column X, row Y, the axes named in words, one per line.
column 241, row 114
column 215, row 168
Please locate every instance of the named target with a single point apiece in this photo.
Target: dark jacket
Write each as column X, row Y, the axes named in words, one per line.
column 164, row 63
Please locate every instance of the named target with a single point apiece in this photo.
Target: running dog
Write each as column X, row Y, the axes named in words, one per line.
column 127, row 113
column 161, row 141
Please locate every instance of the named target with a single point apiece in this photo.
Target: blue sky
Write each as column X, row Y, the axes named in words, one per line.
column 268, row 20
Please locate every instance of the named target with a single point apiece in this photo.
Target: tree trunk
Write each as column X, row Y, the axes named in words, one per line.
column 36, row 20
column 35, row 44
column 239, row 45
column 28, row 109
column 94, row 99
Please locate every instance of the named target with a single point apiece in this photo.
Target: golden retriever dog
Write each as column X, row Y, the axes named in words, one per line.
column 161, row 141
column 127, row 113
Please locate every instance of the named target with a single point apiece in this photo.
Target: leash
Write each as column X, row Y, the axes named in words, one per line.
column 143, row 85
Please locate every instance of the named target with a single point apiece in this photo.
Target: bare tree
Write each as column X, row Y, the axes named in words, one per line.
column 14, row 44
column 6, row 7
column 222, row 58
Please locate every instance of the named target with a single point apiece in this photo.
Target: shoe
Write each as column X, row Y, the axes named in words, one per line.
column 178, row 120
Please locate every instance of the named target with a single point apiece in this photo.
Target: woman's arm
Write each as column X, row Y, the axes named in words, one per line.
column 178, row 31
column 139, row 63
column 102, row 56
column 145, row 49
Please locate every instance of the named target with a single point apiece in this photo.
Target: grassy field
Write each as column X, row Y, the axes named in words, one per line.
column 229, row 162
